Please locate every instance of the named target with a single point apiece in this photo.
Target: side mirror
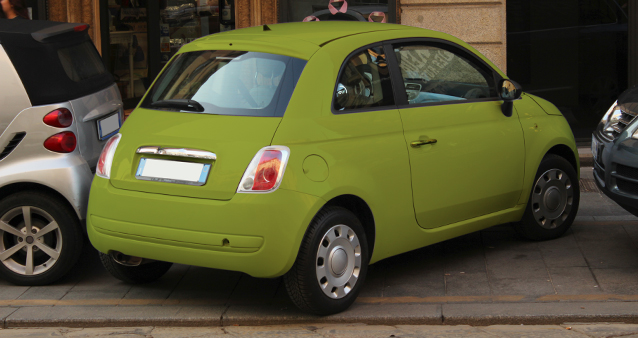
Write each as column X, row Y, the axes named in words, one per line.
column 509, row 92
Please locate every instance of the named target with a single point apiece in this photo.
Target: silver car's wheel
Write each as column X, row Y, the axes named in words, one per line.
column 40, row 238
column 338, row 261
column 552, row 198
column 31, row 240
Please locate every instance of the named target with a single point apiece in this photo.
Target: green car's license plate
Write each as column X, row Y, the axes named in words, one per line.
column 172, row 171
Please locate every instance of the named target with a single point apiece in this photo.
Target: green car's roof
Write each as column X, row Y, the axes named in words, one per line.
column 298, row 39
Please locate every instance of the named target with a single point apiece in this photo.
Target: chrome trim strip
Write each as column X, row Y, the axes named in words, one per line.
column 178, row 152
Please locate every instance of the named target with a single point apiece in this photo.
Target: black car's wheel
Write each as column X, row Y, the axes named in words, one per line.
column 553, row 201
column 331, row 265
column 40, row 238
column 143, row 273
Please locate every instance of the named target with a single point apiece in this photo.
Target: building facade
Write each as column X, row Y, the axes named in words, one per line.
column 575, row 53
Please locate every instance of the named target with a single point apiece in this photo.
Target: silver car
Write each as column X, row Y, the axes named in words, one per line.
column 58, row 107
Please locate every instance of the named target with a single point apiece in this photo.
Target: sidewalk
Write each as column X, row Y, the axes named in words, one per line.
column 485, row 278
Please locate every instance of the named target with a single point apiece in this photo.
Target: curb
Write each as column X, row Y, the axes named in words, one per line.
column 481, row 314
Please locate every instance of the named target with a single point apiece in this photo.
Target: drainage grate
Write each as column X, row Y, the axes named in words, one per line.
column 588, row 185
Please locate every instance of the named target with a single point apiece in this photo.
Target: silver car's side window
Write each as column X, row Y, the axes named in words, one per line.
column 364, row 81
column 432, row 74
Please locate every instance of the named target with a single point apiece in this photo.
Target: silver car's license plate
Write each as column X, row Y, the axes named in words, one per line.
column 594, row 147
column 108, row 126
column 190, row 173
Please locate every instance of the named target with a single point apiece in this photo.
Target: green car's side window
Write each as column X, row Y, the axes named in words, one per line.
column 432, row 74
column 364, row 81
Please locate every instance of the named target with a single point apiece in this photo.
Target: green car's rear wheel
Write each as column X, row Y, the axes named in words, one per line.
column 553, row 201
column 332, row 263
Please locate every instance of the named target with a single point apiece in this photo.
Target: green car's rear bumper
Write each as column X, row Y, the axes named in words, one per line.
column 258, row 234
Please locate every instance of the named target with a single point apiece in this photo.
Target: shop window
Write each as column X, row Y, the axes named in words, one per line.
column 182, row 21
column 128, row 38
column 349, row 10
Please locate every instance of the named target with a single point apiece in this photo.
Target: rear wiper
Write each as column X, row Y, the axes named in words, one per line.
column 182, row 104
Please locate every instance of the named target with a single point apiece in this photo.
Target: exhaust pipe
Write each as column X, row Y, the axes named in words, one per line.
column 127, row 260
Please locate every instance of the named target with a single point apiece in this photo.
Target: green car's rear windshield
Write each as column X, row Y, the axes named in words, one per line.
column 223, row 82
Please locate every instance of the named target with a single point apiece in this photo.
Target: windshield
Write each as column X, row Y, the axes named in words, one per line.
column 227, row 83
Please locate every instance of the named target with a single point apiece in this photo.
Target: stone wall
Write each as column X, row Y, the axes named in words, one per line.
column 480, row 23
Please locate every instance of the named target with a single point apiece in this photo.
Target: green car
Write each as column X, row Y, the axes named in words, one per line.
column 311, row 150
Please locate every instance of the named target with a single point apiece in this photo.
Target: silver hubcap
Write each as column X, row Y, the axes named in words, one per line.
column 30, row 240
column 338, row 261
column 552, row 198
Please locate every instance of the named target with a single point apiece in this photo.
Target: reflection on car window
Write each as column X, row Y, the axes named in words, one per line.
column 432, row 74
column 364, row 81
column 81, row 62
column 230, row 82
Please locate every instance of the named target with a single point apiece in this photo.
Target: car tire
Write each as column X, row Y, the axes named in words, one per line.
column 553, row 201
column 332, row 263
column 143, row 273
column 31, row 260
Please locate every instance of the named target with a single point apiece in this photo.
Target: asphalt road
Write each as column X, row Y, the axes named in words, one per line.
column 486, row 278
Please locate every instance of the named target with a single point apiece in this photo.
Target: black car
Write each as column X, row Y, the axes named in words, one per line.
column 615, row 150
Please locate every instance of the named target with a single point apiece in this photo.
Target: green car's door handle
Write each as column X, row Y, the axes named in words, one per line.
column 419, row 143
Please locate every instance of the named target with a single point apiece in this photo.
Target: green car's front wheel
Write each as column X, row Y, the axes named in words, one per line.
column 332, row 263
column 553, row 201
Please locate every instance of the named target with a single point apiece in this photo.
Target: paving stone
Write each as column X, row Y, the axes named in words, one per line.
column 562, row 252
column 418, row 273
column 618, row 281
column 203, row 283
column 517, row 269
column 527, row 331
column 605, row 330
column 160, row 289
column 597, row 204
column 574, row 281
column 606, row 245
column 273, row 331
column 46, row 292
column 9, row 291
column 31, row 333
column 358, row 331
column 133, row 332
column 442, row 331
column 191, row 332
column 467, row 284
column 632, row 231
column 251, row 290
column 374, row 283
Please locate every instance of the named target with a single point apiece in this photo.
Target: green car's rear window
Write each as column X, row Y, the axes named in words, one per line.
column 223, row 82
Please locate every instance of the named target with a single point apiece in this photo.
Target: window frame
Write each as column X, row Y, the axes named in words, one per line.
column 398, row 87
column 398, row 83
column 342, row 69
